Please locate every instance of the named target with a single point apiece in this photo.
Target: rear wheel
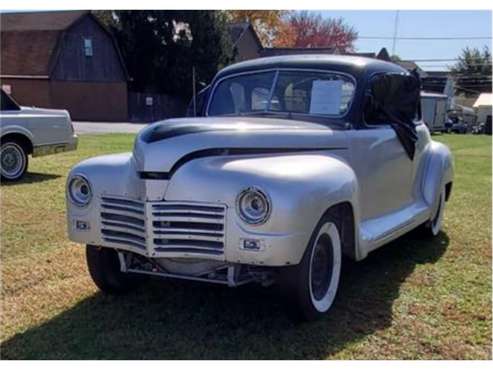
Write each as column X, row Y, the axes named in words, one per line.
column 104, row 268
column 312, row 285
column 13, row 160
column 434, row 225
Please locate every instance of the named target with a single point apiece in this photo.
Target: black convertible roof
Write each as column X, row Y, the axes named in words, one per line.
column 357, row 66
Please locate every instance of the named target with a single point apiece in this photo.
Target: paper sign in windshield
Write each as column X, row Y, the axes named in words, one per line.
column 326, row 97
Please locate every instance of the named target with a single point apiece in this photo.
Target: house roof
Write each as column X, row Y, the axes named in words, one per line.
column 357, row 66
column 30, row 41
column 272, row 52
column 484, row 99
column 237, row 30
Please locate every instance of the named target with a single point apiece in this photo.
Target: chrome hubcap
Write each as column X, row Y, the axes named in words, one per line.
column 322, row 267
column 12, row 160
column 325, row 267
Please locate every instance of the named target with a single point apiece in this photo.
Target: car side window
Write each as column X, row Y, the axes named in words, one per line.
column 391, row 95
column 7, row 103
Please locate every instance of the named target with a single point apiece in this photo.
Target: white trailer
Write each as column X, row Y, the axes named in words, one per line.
column 434, row 110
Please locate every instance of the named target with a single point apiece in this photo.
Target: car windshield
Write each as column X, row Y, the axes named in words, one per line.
column 293, row 92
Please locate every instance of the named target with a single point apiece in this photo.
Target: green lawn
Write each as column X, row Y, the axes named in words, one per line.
column 413, row 299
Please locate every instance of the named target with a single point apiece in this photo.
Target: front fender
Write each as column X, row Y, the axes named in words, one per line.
column 107, row 175
column 301, row 187
column 438, row 172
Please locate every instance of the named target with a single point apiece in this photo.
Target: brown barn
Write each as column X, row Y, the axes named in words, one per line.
column 66, row 60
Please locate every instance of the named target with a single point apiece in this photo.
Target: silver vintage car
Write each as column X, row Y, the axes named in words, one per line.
column 30, row 130
column 290, row 163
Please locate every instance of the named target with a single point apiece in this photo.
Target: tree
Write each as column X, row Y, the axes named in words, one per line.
column 310, row 30
column 267, row 23
column 161, row 47
column 472, row 71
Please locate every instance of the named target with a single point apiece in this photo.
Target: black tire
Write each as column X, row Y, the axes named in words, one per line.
column 104, row 268
column 310, row 298
column 13, row 160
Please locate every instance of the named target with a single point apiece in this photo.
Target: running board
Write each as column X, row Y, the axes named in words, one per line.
column 379, row 231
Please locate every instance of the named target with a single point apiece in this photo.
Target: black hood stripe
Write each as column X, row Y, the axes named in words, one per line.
column 167, row 131
column 163, row 132
column 223, row 152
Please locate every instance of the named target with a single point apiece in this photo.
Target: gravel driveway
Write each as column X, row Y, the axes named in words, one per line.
column 107, row 127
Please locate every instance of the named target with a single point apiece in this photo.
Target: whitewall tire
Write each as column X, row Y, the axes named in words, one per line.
column 325, row 267
column 311, row 286
column 13, row 161
column 436, row 221
column 434, row 225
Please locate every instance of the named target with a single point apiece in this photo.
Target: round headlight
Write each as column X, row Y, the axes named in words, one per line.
column 253, row 206
column 79, row 191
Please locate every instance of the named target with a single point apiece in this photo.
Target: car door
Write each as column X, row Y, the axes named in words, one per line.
column 384, row 171
column 384, row 168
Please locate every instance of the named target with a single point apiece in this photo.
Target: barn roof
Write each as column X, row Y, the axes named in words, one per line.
column 39, row 21
column 30, row 41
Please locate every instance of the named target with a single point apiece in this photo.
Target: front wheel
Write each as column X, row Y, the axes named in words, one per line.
column 312, row 285
column 104, row 268
column 13, row 161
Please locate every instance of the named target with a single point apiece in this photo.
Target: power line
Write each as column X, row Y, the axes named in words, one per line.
column 450, row 65
column 425, row 38
column 434, row 60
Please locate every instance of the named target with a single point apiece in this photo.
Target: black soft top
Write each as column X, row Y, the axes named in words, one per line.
column 359, row 67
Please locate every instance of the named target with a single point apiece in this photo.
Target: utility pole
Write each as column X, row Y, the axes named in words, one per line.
column 194, row 93
column 396, row 23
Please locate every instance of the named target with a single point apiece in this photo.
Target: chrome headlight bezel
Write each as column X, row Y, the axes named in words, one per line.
column 247, row 215
column 76, row 193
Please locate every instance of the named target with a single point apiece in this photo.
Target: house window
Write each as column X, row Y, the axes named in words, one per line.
column 88, row 47
column 7, row 89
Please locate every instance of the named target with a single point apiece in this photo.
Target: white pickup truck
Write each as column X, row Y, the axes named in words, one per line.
column 35, row 131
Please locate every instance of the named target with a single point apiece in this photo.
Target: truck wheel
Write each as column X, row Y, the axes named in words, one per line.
column 312, row 284
column 104, row 268
column 432, row 227
column 13, row 159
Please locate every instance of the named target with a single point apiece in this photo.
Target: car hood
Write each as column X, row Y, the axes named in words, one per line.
column 164, row 144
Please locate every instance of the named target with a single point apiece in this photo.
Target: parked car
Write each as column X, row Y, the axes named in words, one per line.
column 30, row 131
column 292, row 163
column 459, row 127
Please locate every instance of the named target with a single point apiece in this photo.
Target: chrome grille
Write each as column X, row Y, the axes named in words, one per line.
column 188, row 227
column 123, row 222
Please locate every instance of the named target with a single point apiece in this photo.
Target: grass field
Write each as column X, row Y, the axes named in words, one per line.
column 413, row 299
